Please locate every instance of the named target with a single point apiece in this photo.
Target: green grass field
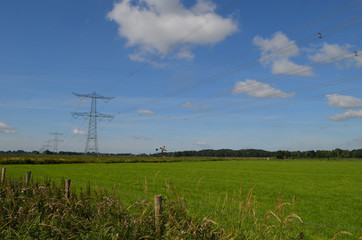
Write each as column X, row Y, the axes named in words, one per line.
column 328, row 193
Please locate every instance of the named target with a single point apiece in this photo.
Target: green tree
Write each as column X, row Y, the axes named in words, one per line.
column 280, row 154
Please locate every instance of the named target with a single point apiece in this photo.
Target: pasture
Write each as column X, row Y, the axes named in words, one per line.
column 326, row 195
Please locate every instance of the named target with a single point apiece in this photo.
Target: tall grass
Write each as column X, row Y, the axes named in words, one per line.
column 40, row 210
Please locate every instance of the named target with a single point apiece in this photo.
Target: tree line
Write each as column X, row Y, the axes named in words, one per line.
column 280, row 154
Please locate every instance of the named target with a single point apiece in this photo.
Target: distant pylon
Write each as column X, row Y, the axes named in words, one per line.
column 46, row 146
column 92, row 142
column 56, row 140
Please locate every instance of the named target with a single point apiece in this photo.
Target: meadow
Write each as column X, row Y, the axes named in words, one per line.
column 326, row 195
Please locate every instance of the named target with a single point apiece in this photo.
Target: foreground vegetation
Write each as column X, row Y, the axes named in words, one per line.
column 41, row 210
column 324, row 194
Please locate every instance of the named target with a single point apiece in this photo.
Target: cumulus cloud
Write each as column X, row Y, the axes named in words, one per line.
column 329, row 51
column 139, row 57
column 258, row 89
column 185, row 52
column 164, row 26
column 347, row 115
column 4, row 128
column 276, row 47
column 285, row 66
column 333, row 52
column 277, row 52
column 79, row 132
column 343, row 101
column 145, row 112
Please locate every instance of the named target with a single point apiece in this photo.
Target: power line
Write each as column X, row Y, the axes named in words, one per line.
column 46, row 146
column 232, row 3
column 248, row 107
column 326, row 62
column 277, row 52
column 279, row 104
column 284, row 50
column 330, row 15
column 171, row 47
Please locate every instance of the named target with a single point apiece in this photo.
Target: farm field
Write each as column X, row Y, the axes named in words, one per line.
column 327, row 193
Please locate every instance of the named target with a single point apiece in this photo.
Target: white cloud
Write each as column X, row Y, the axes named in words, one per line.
column 285, row 66
column 140, row 56
column 187, row 105
column 347, row 115
column 185, row 52
column 277, row 47
column 333, row 52
column 202, row 144
column 4, row 128
column 162, row 26
column 329, row 51
column 277, row 51
column 358, row 60
column 138, row 137
column 194, row 107
column 344, row 101
column 79, row 132
column 145, row 112
column 203, row 6
column 258, row 89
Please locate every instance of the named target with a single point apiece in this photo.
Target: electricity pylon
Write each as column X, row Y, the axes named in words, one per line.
column 56, row 140
column 46, row 146
column 92, row 142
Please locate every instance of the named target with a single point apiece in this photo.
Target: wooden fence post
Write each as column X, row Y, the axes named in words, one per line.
column 158, row 214
column 67, row 188
column 27, row 179
column 3, row 175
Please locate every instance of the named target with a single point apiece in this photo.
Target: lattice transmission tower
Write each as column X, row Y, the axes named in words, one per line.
column 92, row 116
column 56, row 140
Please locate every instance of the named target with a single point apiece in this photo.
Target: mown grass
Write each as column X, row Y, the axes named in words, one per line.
column 328, row 193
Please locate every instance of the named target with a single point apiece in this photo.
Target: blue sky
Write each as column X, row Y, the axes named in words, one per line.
column 186, row 74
